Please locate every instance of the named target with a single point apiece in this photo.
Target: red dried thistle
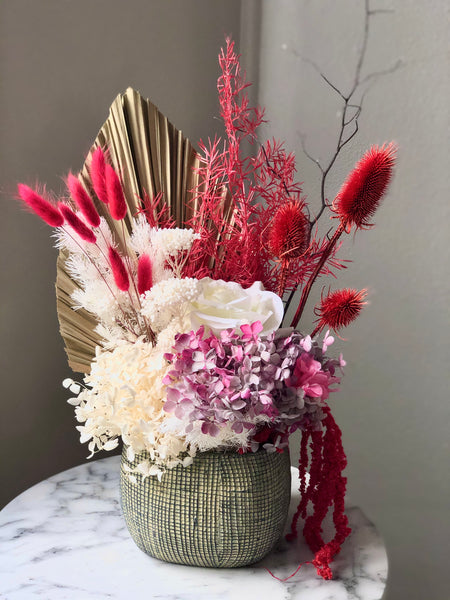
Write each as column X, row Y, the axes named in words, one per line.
column 119, row 269
column 83, row 200
column 361, row 193
column 288, row 237
column 117, row 204
column 340, row 308
column 144, row 274
column 77, row 224
column 40, row 206
column 97, row 172
column 289, row 233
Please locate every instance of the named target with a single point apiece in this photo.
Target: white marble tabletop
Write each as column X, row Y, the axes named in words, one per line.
column 65, row 539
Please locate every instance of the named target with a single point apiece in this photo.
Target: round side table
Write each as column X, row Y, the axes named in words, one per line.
column 65, row 539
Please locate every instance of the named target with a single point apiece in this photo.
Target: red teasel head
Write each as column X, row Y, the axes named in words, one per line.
column 361, row 193
column 340, row 308
column 289, row 231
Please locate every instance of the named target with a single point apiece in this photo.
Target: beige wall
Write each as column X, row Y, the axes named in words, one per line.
column 394, row 402
column 61, row 65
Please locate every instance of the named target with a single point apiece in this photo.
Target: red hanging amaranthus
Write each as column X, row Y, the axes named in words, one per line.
column 324, row 490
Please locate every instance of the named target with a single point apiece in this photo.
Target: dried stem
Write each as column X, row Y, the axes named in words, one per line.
column 306, row 290
column 349, row 106
column 283, row 277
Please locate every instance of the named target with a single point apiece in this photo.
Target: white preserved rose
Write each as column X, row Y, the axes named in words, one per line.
column 227, row 305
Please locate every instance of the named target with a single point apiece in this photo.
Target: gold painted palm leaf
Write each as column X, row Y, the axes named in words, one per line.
column 152, row 157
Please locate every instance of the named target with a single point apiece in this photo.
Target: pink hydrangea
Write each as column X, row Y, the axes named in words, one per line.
column 248, row 383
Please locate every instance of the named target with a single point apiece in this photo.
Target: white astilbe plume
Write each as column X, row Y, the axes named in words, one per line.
column 88, row 262
column 140, row 239
column 172, row 241
column 164, row 246
column 141, row 242
column 88, row 265
column 119, row 313
column 169, row 299
column 174, row 245
column 82, row 268
column 96, row 299
column 66, row 239
column 112, row 335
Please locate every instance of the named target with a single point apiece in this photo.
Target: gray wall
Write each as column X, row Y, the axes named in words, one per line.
column 63, row 62
column 61, row 65
column 394, row 401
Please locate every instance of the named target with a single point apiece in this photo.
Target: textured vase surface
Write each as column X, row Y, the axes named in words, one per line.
column 224, row 510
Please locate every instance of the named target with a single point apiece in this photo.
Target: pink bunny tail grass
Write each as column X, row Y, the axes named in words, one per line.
column 97, row 172
column 144, row 274
column 83, row 200
column 77, row 224
column 117, row 204
column 119, row 270
column 40, row 206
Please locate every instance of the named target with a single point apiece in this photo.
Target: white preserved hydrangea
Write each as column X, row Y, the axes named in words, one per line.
column 125, row 398
column 166, row 337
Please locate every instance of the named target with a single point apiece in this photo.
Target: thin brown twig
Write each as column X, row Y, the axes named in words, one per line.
column 345, row 137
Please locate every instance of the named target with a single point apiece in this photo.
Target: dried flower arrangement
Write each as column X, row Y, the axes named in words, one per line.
column 194, row 354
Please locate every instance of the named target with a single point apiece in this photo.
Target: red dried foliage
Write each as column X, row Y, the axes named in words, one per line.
column 97, row 173
column 300, row 270
column 361, row 193
column 144, row 274
column 340, row 308
column 229, row 248
column 40, row 206
column 117, row 203
column 156, row 211
column 77, row 224
column 118, row 269
column 239, row 249
column 83, row 200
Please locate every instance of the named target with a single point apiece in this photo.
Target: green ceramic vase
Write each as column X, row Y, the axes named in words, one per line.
column 225, row 510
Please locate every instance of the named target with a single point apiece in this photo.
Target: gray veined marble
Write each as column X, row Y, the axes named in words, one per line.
column 65, row 538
